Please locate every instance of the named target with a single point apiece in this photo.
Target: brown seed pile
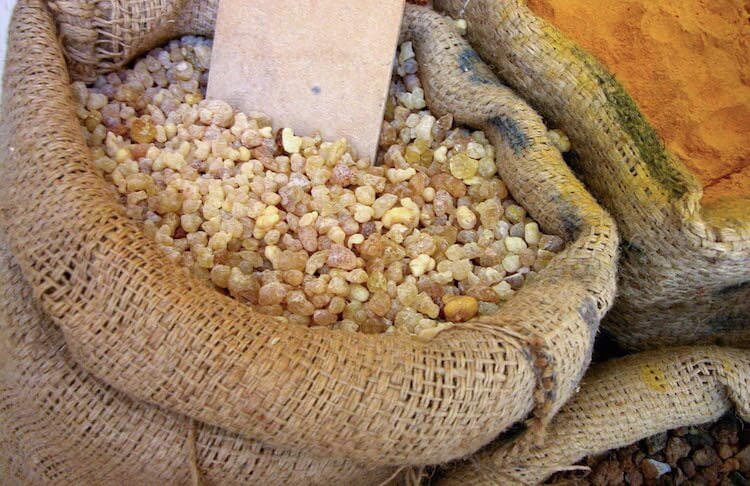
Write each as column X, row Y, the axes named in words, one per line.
column 713, row 454
column 304, row 229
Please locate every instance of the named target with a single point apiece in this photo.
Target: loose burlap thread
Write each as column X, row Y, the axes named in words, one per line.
column 621, row 402
column 684, row 272
column 133, row 321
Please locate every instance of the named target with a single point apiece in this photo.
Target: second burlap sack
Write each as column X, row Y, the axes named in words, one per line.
column 141, row 339
column 684, row 274
column 621, row 402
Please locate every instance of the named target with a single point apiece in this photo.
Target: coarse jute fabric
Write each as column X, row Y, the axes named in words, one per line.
column 60, row 425
column 684, row 272
column 621, row 402
column 136, row 322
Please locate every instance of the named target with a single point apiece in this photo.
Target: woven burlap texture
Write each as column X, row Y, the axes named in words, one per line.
column 684, row 273
column 60, row 425
column 620, row 402
column 138, row 323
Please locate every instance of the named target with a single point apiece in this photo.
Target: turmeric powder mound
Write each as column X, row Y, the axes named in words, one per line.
column 687, row 65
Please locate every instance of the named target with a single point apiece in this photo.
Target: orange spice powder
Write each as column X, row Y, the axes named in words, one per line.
column 687, row 65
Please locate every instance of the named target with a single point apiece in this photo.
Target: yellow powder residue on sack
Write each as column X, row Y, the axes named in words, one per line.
column 687, row 65
column 655, row 378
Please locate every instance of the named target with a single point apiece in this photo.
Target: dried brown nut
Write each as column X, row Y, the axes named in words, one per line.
column 342, row 257
column 142, row 130
column 460, row 308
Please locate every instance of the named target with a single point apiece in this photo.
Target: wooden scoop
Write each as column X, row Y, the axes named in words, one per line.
column 312, row 65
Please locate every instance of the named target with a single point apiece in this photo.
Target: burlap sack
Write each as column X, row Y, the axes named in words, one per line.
column 60, row 425
column 684, row 274
column 621, row 402
column 137, row 323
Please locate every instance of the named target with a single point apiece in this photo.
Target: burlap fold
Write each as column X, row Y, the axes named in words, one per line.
column 684, row 273
column 135, row 322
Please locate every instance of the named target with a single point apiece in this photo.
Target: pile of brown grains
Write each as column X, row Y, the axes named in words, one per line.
column 711, row 454
column 304, row 229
